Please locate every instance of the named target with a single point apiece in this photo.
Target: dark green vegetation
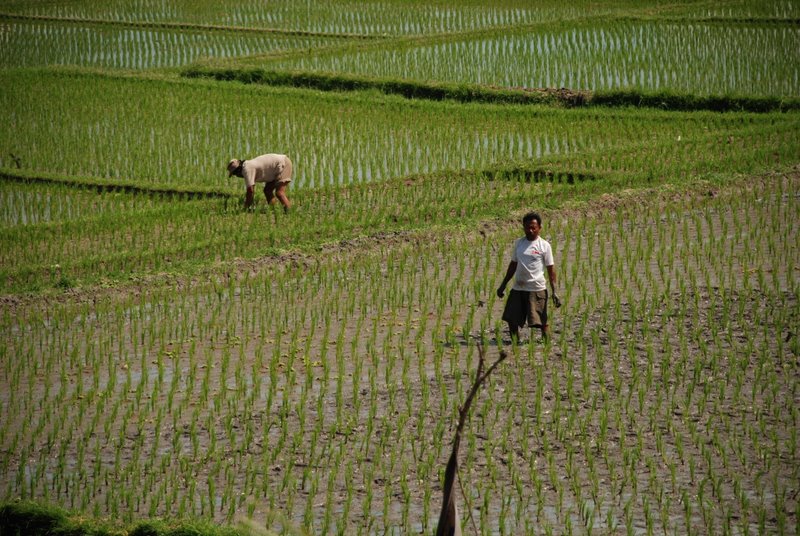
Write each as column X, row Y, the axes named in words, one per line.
column 664, row 100
column 24, row 518
column 165, row 355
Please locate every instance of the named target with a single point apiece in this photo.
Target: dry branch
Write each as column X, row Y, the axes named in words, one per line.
column 449, row 523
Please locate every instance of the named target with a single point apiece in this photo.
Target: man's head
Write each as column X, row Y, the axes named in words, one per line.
column 235, row 168
column 532, row 224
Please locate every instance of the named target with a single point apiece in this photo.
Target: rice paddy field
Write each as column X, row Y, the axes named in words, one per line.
column 166, row 355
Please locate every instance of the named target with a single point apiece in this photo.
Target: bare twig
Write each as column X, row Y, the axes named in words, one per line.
column 449, row 523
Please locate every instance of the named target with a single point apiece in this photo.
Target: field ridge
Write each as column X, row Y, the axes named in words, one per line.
column 102, row 185
column 413, row 89
column 184, row 26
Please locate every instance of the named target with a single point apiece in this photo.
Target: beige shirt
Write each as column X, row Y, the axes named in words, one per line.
column 267, row 168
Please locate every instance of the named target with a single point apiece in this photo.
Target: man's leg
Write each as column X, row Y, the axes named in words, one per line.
column 539, row 311
column 248, row 198
column 513, row 331
column 280, row 192
column 269, row 192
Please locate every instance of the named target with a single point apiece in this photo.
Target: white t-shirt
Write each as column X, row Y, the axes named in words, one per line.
column 531, row 259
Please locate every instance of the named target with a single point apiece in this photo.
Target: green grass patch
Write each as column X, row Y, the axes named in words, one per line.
column 28, row 518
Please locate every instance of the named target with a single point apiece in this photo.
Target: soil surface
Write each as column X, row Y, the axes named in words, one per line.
column 327, row 394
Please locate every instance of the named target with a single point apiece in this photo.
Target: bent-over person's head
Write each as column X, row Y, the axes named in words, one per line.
column 235, row 167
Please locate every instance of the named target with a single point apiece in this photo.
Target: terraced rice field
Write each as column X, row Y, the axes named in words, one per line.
column 165, row 354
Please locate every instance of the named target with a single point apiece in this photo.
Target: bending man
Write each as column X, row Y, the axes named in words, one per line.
column 274, row 170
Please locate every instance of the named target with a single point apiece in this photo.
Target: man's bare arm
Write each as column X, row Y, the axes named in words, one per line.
column 551, row 274
column 512, row 268
column 249, row 196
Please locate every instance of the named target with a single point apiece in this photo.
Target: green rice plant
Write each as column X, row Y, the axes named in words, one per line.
column 156, row 147
column 33, row 43
column 698, row 58
column 549, row 409
column 339, row 17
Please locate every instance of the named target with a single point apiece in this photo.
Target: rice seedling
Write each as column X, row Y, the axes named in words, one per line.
column 343, row 17
column 133, row 254
column 37, row 43
column 698, row 58
column 164, row 121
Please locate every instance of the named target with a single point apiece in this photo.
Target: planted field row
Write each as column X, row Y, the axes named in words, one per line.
column 648, row 56
column 740, row 151
column 45, row 203
column 143, row 237
column 183, row 133
column 39, row 43
column 147, row 237
column 742, row 9
column 687, row 57
column 394, row 17
column 327, row 390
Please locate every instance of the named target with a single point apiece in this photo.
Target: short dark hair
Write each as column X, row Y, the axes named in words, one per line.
column 526, row 219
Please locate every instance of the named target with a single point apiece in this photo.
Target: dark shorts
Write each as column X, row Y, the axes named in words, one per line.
column 526, row 308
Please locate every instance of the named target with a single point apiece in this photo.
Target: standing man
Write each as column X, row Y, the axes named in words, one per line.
column 274, row 170
column 527, row 302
